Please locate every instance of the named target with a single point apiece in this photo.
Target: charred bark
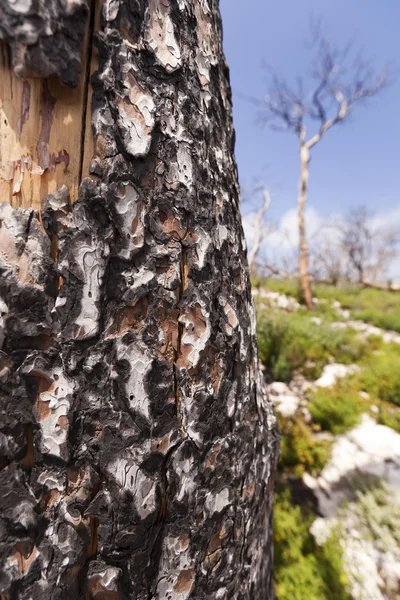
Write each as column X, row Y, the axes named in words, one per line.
column 137, row 446
column 45, row 36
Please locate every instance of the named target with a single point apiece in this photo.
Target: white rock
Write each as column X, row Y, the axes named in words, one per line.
column 368, row 536
column 333, row 372
column 278, row 387
column 306, row 415
column 286, row 404
column 367, row 450
column 277, row 300
column 321, row 529
column 388, row 337
column 316, row 320
column 338, row 325
column 390, row 569
column 360, row 558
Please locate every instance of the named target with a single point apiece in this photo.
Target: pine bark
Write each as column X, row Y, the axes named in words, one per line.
column 137, row 447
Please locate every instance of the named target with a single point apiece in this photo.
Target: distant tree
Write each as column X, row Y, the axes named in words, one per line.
column 328, row 263
column 259, row 229
column 342, row 82
column 327, row 258
column 368, row 248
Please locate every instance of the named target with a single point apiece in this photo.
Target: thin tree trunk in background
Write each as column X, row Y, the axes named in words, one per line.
column 303, row 247
column 258, row 233
column 137, row 446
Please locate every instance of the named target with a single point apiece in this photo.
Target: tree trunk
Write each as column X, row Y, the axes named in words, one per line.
column 258, row 233
column 303, row 247
column 137, row 447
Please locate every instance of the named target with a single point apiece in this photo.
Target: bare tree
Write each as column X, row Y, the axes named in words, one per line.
column 259, row 229
column 328, row 259
column 327, row 264
column 368, row 248
column 342, row 82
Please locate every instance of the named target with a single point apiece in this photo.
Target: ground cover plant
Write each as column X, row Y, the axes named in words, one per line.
column 303, row 342
column 302, row 568
column 337, row 409
column 378, row 307
column 290, row 342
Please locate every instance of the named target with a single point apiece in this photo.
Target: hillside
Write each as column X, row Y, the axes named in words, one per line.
column 334, row 377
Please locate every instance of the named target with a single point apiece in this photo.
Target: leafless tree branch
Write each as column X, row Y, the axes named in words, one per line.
column 341, row 84
column 341, row 81
column 258, row 228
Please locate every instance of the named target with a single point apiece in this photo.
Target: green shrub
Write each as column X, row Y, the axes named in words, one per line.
column 326, row 311
column 301, row 449
column 380, row 376
column 389, row 415
column 304, row 570
column 376, row 316
column 289, row 342
column 338, row 408
column 379, row 307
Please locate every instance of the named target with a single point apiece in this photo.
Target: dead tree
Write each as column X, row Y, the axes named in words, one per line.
column 341, row 84
column 258, row 228
column 328, row 264
column 328, row 259
column 137, row 447
column 369, row 249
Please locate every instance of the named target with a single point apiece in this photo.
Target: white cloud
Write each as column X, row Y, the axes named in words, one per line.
column 394, row 270
column 283, row 240
column 286, row 235
column 387, row 220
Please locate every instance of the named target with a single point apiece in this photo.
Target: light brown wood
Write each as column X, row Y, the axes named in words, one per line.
column 42, row 128
column 88, row 142
column 303, row 246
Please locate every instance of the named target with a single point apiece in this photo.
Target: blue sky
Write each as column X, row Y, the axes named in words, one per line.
column 359, row 161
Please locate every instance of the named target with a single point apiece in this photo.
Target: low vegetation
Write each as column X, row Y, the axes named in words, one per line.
column 337, row 409
column 377, row 512
column 294, row 342
column 302, row 450
column 389, row 415
column 378, row 307
column 380, row 376
column 304, row 570
column 300, row 342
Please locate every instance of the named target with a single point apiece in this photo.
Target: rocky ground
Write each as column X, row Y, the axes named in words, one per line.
column 358, row 490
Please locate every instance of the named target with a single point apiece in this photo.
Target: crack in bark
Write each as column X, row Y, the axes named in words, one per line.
column 183, row 268
column 29, row 459
column 93, row 7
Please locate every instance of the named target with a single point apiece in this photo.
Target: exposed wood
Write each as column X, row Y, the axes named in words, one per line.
column 40, row 134
column 91, row 66
column 303, row 246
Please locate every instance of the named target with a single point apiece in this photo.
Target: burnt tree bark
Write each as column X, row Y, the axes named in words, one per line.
column 137, row 446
